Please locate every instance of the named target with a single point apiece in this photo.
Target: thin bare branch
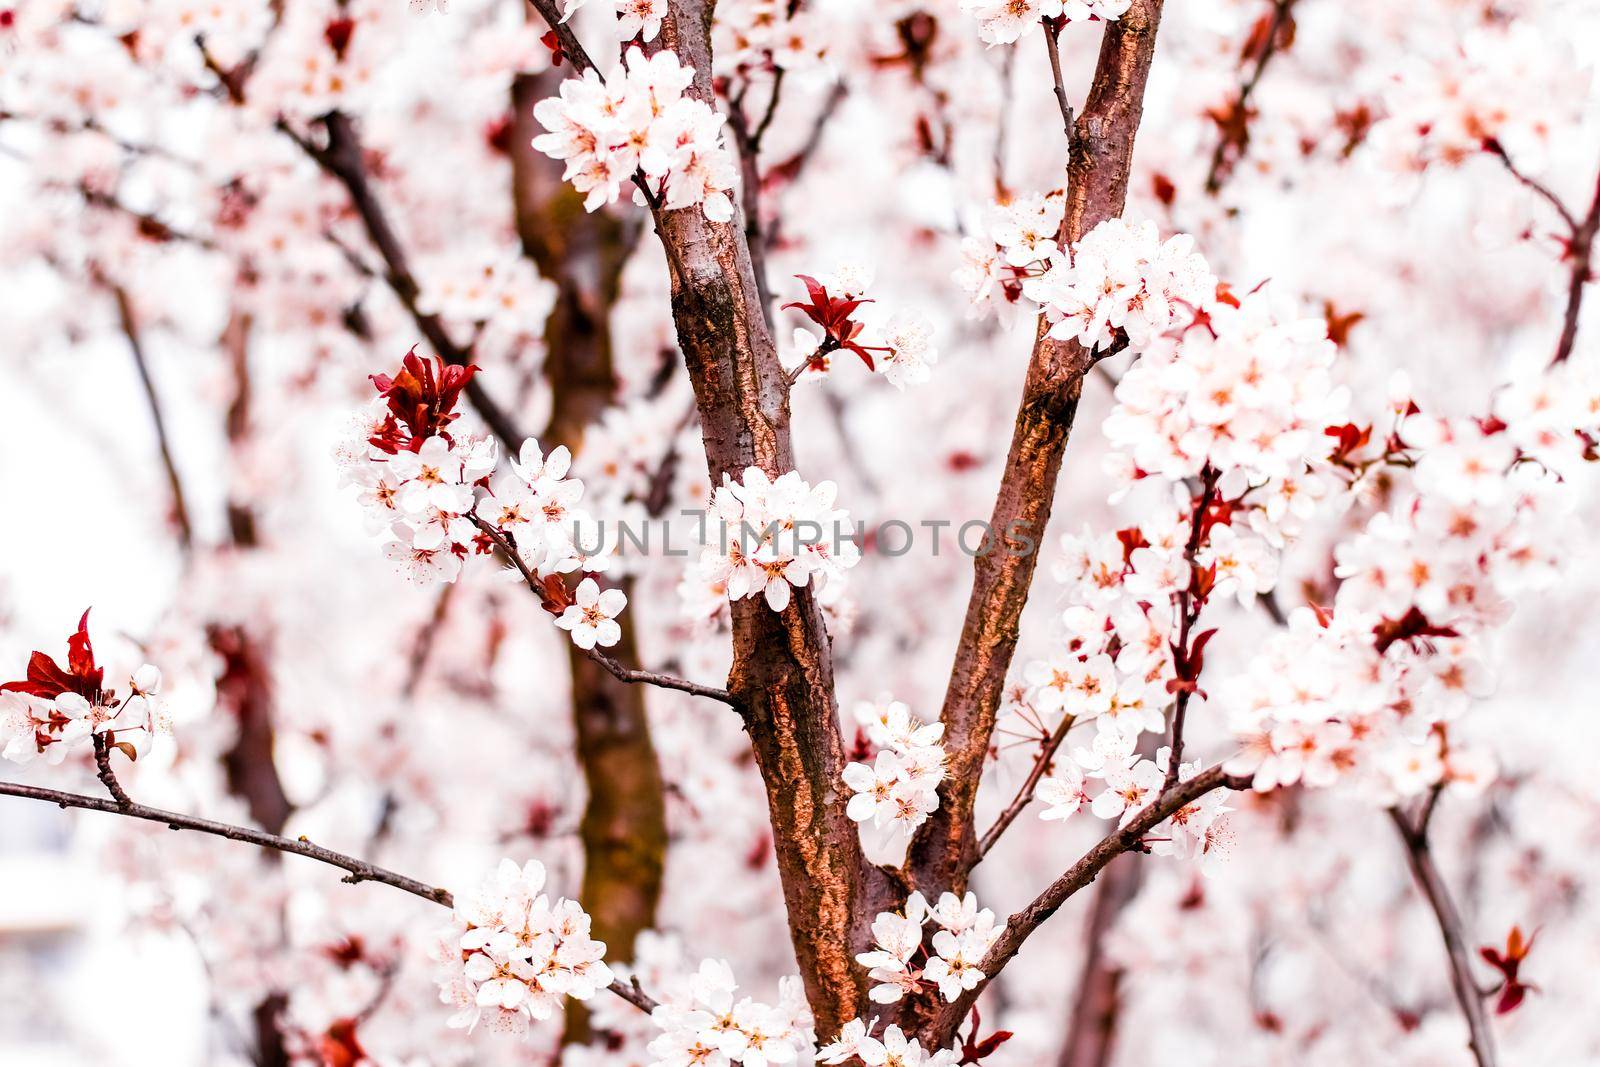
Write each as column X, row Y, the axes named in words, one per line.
column 1468, row 996
column 571, row 47
column 1221, row 165
column 129, row 321
column 1580, row 251
column 344, row 159
column 1052, row 43
column 1496, row 149
column 617, row 670
column 1041, row 766
column 358, row 870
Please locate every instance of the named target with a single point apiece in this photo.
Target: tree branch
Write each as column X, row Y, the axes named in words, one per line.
column 1468, row 996
column 358, row 870
column 1052, row 44
column 1581, row 250
column 945, row 849
column 1581, row 234
column 1020, row 927
column 130, row 329
column 617, row 670
column 343, row 159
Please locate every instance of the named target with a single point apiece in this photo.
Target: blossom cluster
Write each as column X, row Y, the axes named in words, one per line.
column 1121, row 277
column 776, row 536
column 901, row 965
column 1119, row 282
column 711, row 1026
column 1501, row 87
column 759, row 35
column 856, row 1042
column 1247, row 391
column 900, row 788
column 54, row 709
column 1368, row 690
column 1016, row 242
column 637, row 120
column 442, row 501
column 1005, row 21
column 511, row 954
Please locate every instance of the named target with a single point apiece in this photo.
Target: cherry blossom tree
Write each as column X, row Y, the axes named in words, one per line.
column 463, row 423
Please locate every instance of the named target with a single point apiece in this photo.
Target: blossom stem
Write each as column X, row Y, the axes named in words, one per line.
column 1189, row 607
column 108, row 777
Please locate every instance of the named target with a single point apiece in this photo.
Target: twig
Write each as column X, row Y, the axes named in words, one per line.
column 617, row 670
column 1020, row 927
column 1221, row 166
column 1468, row 995
column 358, row 870
column 1188, row 611
column 150, row 226
column 772, row 110
column 1025, row 794
column 1580, row 240
column 1052, row 43
column 1496, row 149
column 1582, row 247
column 130, row 328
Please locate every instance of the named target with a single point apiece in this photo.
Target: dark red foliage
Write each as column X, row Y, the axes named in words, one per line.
column 1509, row 963
column 338, row 33
column 340, row 1047
column 1131, row 538
column 47, row 679
column 557, row 53
column 833, row 315
column 422, row 399
column 1351, row 438
column 1187, row 666
column 499, row 133
column 973, row 1049
column 1412, row 626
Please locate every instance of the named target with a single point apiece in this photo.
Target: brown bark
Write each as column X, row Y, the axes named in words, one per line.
column 783, row 662
column 945, row 850
column 624, row 828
